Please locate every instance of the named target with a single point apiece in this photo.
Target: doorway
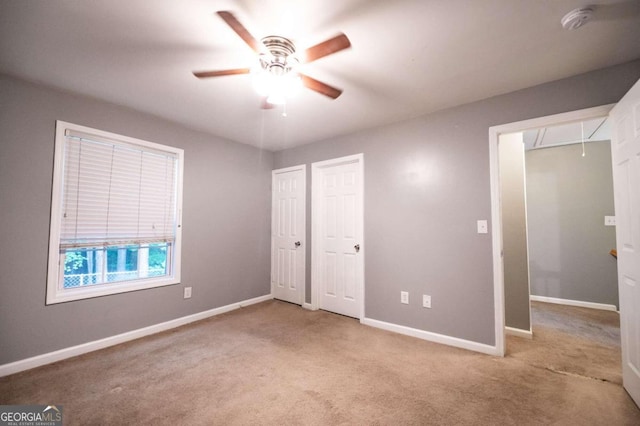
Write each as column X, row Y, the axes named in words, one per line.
column 556, row 197
column 338, row 236
column 497, row 219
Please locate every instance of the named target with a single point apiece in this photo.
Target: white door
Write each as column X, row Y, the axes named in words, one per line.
column 625, row 149
column 338, row 251
column 288, row 188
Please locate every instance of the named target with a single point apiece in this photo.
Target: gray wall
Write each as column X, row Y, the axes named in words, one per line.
column 426, row 184
column 514, row 231
column 226, row 218
column 567, row 198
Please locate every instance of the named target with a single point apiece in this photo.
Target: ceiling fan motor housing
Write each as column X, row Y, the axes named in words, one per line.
column 281, row 57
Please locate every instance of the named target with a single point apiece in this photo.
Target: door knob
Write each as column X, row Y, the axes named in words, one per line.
column 297, row 243
column 357, row 247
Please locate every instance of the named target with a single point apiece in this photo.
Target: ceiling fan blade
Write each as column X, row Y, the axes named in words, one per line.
column 205, row 74
column 320, row 87
column 244, row 34
column 327, row 47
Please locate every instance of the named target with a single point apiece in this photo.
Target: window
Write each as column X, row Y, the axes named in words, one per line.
column 115, row 214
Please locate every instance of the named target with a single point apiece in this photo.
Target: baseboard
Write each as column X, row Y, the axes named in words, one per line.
column 433, row 337
column 579, row 303
column 518, row 332
column 59, row 355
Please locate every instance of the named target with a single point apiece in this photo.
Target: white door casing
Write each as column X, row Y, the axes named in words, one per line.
column 625, row 153
column 288, row 187
column 337, row 235
column 496, row 211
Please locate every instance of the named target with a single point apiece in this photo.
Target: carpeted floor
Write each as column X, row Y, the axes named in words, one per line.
column 570, row 340
column 275, row 363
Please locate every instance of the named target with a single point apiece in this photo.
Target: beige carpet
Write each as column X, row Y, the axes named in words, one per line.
column 275, row 363
column 571, row 340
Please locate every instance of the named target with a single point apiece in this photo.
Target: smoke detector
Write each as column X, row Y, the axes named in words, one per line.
column 576, row 18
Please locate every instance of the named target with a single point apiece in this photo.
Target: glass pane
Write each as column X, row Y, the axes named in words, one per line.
column 82, row 267
column 100, row 265
column 117, row 267
column 75, row 266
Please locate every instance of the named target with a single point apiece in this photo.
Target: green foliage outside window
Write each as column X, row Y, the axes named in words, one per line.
column 73, row 261
column 83, row 266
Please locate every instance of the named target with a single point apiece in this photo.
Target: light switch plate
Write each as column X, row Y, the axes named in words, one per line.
column 187, row 292
column 483, row 228
column 609, row 221
column 404, row 297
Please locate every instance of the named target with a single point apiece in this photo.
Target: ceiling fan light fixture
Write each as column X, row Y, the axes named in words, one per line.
column 275, row 75
column 276, row 87
column 261, row 81
column 276, row 99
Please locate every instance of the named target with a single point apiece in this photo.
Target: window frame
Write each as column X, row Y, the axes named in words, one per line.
column 56, row 293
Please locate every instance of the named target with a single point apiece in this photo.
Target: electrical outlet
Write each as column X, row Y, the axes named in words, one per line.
column 609, row 221
column 426, row 301
column 187, row 292
column 404, row 297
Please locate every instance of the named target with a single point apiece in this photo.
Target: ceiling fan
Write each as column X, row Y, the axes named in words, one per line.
column 278, row 62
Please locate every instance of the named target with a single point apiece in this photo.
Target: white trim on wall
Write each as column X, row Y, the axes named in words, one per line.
column 69, row 134
column 569, row 302
column 518, row 332
column 496, row 219
column 432, row 337
column 48, row 358
column 496, row 235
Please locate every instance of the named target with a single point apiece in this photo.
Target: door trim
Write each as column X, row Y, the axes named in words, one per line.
column 316, row 248
column 496, row 216
column 303, row 168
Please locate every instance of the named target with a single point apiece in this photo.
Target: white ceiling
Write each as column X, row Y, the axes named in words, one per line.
column 408, row 57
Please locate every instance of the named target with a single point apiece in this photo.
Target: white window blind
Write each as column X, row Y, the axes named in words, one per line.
column 116, row 193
